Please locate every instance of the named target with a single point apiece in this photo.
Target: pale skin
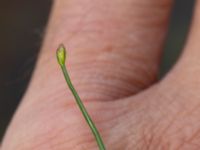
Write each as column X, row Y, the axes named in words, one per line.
column 114, row 51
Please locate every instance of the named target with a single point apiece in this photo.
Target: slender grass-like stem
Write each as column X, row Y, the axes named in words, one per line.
column 61, row 55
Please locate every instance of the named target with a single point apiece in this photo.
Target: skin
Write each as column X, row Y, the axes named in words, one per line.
column 114, row 50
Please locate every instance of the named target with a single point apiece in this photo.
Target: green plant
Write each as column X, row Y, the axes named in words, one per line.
column 61, row 56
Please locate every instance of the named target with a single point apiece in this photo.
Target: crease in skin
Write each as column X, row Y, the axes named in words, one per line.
column 101, row 77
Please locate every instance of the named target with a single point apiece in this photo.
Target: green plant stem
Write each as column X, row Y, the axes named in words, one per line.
column 83, row 109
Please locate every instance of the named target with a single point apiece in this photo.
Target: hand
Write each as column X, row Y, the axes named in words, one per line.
column 114, row 50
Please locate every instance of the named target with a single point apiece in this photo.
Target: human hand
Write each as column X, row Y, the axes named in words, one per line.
column 114, row 50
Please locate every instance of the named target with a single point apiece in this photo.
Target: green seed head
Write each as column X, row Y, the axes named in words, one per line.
column 61, row 54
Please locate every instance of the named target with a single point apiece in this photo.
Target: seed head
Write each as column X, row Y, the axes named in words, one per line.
column 61, row 54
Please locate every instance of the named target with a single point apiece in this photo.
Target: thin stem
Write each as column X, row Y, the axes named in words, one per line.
column 83, row 109
column 61, row 55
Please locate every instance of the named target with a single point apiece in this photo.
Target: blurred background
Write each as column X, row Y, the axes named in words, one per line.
column 22, row 25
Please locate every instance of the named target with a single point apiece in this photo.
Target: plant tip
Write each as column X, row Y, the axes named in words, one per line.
column 61, row 54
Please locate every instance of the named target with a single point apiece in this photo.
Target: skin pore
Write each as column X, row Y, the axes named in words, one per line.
column 115, row 48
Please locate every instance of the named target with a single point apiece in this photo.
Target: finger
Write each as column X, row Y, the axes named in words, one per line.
column 187, row 69
column 114, row 47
